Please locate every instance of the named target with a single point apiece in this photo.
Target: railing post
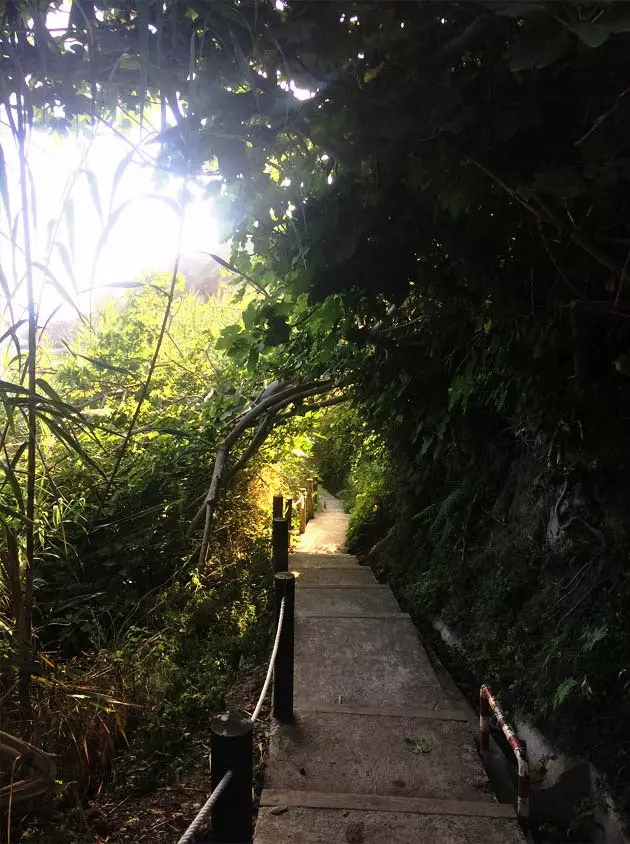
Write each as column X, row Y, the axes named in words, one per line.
column 289, row 511
column 310, row 508
column 231, row 749
column 303, row 513
column 315, row 492
column 280, row 545
column 484, row 721
column 282, row 706
column 488, row 703
column 278, row 507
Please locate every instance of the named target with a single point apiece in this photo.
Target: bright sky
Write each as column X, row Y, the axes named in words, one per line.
column 67, row 173
column 144, row 237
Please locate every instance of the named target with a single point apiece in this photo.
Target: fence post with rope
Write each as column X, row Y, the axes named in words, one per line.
column 278, row 507
column 230, row 804
column 288, row 515
column 282, row 706
column 303, row 510
column 231, row 752
column 280, row 544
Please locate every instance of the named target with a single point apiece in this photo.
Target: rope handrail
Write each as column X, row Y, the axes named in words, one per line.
column 487, row 702
column 202, row 815
column 274, row 654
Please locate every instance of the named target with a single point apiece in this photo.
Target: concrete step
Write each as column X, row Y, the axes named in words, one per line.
column 297, row 825
column 331, row 576
column 364, row 661
column 302, row 560
column 342, row 600
column 390, row 757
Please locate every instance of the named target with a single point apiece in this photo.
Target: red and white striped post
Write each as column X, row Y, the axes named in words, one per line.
column 488, row 703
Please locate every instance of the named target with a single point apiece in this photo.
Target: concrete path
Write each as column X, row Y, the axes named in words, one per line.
column 378, row 753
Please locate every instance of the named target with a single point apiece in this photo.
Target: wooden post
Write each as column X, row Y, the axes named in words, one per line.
column 315, row 492
column 282, row 706
column 303, row 516
column 231, row 749
column 288, row 513
column 280, row 545
column 310, row 507
column 289, row 517
column 278, row 507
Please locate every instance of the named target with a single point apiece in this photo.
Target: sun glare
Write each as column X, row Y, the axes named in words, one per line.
column 101, row 218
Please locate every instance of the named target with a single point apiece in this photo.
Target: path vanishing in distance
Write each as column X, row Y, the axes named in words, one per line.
column 379, row 753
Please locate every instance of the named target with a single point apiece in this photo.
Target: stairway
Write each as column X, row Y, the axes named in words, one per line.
column 378, row 752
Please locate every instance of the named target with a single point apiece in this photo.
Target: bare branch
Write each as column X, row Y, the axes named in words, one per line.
column 267, row 407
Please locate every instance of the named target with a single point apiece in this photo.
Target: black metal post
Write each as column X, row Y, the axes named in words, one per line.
column 282, row 706
column 280, row 545
column 278, row 507
column 310, row 506
column 231, row 749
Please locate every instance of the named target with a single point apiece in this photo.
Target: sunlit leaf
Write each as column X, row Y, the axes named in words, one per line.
column 120, row 172
column 4, row 186
column 69, row 216
column 67, row 262
column 12, row 331
column 66, row 436
column 94, row 192
column 59, row 288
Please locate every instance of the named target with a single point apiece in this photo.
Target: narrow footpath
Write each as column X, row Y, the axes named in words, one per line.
column 378, row 752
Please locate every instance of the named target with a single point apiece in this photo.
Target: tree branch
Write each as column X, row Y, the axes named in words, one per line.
column 270, row 405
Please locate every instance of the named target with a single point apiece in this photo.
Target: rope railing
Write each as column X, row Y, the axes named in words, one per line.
column 204, row 813
column 488, row 703
column 272, row 661
column 230, row 805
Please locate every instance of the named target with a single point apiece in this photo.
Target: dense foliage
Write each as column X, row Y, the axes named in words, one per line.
column 134, row 641
column 441, row 229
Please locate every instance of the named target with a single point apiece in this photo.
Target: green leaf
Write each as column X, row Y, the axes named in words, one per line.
column 67, row 262
column 56, row 399
column 594, row 636
column 11, row 475
column 12, row 332
column 4, row 186
column 250, row 316
column 562, row 182
column 68, row 211
column 66, row 436
column 372, row 73
column 120, row 172
column 535, row 50
column 278, row 331
column 616, row 18
column 228, row 337
column 59, row 288
column 420, row 746
column 563, row 691
column 100, row 363
column 591, row 34
column 453, row 200
column 94, row 192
